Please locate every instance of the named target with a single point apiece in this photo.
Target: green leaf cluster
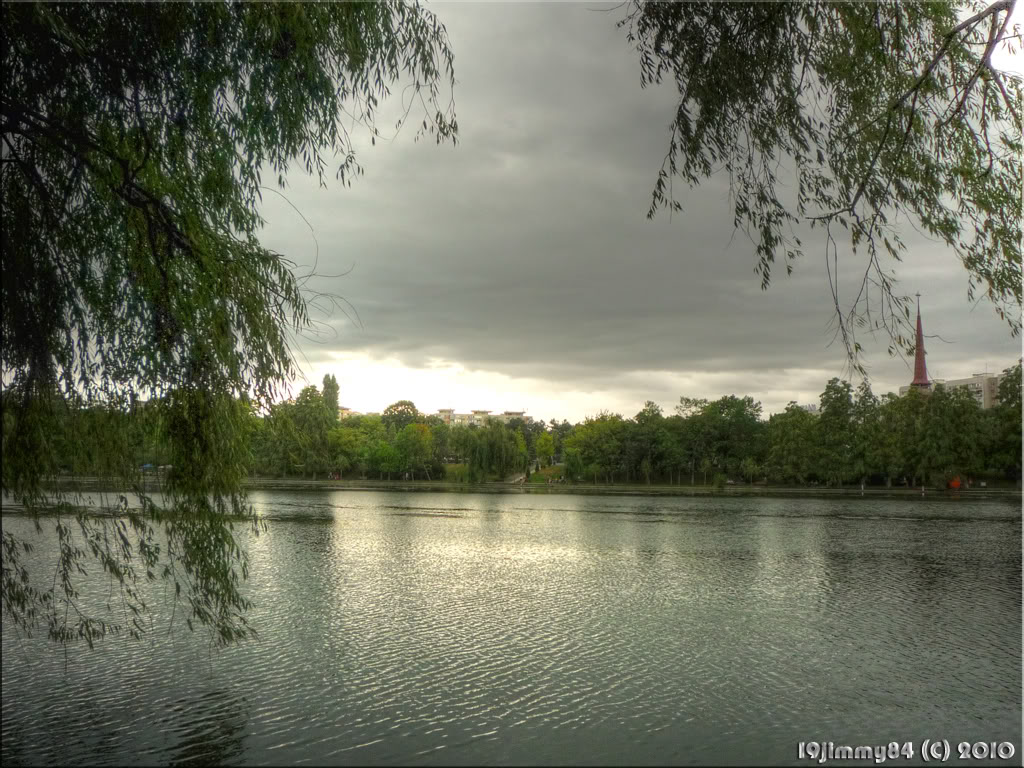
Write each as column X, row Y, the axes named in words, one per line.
column 135, row 138
column 847, row 120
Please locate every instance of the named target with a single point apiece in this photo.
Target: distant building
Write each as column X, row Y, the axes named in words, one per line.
column 450, row 417
column 344, row 413
column 984, row 387
column 508, row 416
column 811, row 408
column 479, row 417
column 920, row 370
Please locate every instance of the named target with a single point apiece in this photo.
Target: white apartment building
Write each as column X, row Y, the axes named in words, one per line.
column 984, row 387
column 479, row 417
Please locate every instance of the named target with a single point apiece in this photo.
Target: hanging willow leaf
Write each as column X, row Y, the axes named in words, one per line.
column 134, row 283
column 877, row 113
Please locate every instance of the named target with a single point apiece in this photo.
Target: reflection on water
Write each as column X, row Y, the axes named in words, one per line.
column 406, row 628
column 211, row 727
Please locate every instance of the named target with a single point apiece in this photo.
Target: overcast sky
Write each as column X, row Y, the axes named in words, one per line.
column 517, row 270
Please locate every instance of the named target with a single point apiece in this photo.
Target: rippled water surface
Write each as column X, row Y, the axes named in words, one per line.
column 466, row 629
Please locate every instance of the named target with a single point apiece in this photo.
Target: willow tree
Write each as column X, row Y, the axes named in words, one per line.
column 135, row 141
column 851, row 119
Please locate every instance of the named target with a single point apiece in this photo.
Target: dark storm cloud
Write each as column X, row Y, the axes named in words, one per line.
column 525, row 250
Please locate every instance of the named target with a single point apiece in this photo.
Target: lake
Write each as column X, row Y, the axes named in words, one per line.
column 457, row 629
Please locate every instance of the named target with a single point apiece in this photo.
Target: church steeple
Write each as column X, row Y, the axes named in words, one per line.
column 920, row 371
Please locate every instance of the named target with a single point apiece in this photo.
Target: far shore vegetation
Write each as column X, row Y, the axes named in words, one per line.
column 855, row 439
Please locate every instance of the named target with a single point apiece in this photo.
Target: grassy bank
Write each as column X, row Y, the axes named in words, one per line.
column 622, row 489
column 152, row 484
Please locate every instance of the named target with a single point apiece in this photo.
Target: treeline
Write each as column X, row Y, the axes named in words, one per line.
column 855, row 437
column 301, row 438
column 305, row 438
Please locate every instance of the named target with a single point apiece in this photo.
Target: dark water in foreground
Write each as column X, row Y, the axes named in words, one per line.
column 466, row 629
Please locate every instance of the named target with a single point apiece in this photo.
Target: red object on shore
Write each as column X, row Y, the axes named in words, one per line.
column 955, row 483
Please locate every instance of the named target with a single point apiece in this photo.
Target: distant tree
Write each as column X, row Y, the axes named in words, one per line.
column 646, row 468
column 650, row 438
column 491, row 451
column 345, row 446
column 951, row 434
column 385, row 459
column 598, row 444
column 522, row 456
column 574, row 467
column 1006, row 433
column 732, row 429
column 706, row 465
column 504, row 451
column 867, row 433
column 474, row 450
column 531, row 431
column 690, row 406
column 460, row 441
column 545, row 448
column 791, row 437
column 313, row 421
column 442, row 443
column 519, row 425
column 398, row 416
column 889, row 447
column 282, row 445
column 415, row 445
column 692, row 435
column 373, row 432
column 559, row 431
column 675, row 458
column 870, row 113
column 749, row 469
column 330, row 394
column 903, row 420
column 1010, row 387
column 835, row 431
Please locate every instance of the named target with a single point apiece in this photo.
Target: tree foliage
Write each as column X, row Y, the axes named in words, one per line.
column 835, row 441
column 854, row 436
column 876, row 113
column 791, row 437
column 545, row 447
column 134, row 140
column 330, row 394
column 1004, row 428
column 398, row 416
column 415, row 445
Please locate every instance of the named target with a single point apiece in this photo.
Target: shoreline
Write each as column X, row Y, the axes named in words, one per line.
column 152, row 484
column 584, row 489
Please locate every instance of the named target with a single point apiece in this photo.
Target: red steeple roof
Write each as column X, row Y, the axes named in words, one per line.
column 920, row 371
